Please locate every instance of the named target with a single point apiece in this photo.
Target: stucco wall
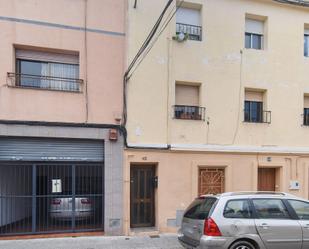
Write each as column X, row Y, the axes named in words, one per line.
column 224, row 68
column 60, row 25
column 178, row 173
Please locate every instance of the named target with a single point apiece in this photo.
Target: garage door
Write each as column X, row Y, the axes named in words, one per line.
column 47, row 149
column 43, row 190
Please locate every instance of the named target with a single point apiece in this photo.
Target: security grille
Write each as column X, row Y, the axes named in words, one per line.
column 51, row 197
column 211, row 181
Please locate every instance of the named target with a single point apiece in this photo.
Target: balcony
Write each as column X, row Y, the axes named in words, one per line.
column 193, row 32
column 189, row 112
column 44, row 82
column 257, row 116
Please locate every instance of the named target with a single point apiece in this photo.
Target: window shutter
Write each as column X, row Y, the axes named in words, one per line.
column 306, row 102
column 47, row 56
column 188, row 16
column 254, row 26
column 187, row 95
column 254, row 96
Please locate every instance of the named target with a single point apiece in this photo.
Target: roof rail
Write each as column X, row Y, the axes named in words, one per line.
column 255, row 193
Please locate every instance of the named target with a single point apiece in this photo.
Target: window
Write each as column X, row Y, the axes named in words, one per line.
column 306, row 110
column 301, row 208
column 270, row 209
column 306, row 116
column 253, row 111
column 239, row 209
column 254, row 107
column 306, row 42
column 200, row 208
column 254, row 34
column 187, row 102
column 45, row 70
column 188, row 21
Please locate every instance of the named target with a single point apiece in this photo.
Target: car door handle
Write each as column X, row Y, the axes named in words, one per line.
column 264, row 226
column 306, row 226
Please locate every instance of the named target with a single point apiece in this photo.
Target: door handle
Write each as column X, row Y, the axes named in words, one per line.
column 307, row 226
column 264, row 226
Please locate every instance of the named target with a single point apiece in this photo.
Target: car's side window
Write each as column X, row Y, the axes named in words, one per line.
column 301, row 208
column 237, row 209
column 270, row 209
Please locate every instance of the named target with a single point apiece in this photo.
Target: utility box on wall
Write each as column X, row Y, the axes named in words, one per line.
column 294, row 185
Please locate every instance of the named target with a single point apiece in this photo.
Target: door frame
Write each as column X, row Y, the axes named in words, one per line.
column 154, row 194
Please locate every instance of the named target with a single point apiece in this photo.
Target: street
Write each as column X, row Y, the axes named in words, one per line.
column 164, row 241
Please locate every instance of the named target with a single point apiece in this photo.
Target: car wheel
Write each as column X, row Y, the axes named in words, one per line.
column 242, row 245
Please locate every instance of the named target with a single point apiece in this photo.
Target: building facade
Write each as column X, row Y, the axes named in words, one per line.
column 61, row 70
column 220, row 103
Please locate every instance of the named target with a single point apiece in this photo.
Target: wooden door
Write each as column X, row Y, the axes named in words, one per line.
column 211, row 181
column 267, row 179
column 142, row 196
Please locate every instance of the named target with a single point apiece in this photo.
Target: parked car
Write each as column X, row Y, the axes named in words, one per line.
column 62, row 208
column 246, row 220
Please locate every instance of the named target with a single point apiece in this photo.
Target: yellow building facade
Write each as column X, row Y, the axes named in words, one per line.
column 218, row 104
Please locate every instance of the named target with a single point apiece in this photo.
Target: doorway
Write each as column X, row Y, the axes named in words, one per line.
column 142, row 207
column 267, row 179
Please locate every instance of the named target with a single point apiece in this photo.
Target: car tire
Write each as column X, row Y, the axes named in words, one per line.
column 242, row 245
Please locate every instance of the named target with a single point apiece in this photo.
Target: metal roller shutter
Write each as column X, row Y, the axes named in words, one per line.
column 50, row 149
column 47, row 56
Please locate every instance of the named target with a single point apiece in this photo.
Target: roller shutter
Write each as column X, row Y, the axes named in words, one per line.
column 50, row 149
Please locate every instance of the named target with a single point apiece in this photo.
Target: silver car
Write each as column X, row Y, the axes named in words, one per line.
column 246, row 220
column 62, row 208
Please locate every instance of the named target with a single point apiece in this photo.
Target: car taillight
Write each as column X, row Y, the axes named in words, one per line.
column 85, row 201
column 56, row 202
column 211, row 228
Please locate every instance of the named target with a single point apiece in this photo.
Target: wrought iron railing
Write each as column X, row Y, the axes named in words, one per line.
column 44, row 82
column 257, row 117
column 194, row 32
column 189, row 112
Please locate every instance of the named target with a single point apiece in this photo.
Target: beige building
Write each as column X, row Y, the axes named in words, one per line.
column 61, row 70
column 220, row 103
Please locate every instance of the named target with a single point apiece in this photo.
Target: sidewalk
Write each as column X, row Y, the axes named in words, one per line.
column 164, row 241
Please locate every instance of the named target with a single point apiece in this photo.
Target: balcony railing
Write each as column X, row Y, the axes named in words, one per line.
column 257, row 117
column 194, row 32
column 189, row 112
column 44, row 82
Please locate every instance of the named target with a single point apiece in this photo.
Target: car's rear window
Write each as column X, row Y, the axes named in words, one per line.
column 200, row 208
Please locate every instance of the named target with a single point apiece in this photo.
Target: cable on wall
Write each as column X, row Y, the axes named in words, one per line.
column 143, row 51
column 239, row 97
column 302, row 3
column 86, row 61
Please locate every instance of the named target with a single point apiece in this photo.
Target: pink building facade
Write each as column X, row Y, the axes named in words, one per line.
column 61, row 69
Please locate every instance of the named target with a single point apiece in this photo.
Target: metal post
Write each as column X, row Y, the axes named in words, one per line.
column 33, row 198
column 73, row 196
